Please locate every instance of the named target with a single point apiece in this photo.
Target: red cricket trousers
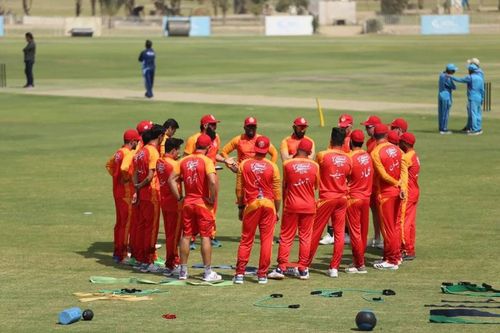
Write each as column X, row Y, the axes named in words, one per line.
column 264, row 217
column 390, row 227
column 133, row 234
column 172, row 227
column 123, row 207
column 148, row 222
column 358, row 218
column 408, row 226
column 326, row 209
column 290, row 223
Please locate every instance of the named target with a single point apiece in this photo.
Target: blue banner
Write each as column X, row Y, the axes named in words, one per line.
column 200, row 26
column 444, row 24
column 1, row 26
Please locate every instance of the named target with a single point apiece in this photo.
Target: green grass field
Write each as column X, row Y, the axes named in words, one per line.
column 56, row 147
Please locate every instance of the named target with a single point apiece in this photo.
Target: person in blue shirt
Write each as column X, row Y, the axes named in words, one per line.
column 147, row 58
column 445, row 100
column 475, row 97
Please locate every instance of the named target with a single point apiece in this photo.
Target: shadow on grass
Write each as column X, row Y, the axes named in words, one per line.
column 102, row 252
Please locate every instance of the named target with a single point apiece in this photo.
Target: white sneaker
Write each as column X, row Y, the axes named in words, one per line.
column 386, row 265
column 183, row 275
column 168, row 272
column 347, row 239
column 327, row 240
column 292, row 271
column 157, row 246
column 333, row 273
column 356, row 270
column 239, row 279
column 304, row 275
column 152, row 268
column 276, row 274
column 262, row 280
column 213, row 276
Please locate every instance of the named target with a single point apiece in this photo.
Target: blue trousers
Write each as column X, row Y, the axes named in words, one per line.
column 474, row 115
column 149, row 78
column 28, row 70
column 444, row 106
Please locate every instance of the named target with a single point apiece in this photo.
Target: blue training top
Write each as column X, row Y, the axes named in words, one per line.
column 147, row 57
column 475, row 86
column 446, row 83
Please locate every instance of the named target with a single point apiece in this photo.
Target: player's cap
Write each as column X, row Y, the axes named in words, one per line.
column 305, row 145
column 358, row 136
column 451, row 68
column 131, row 134
column 250, row 121
column 473, row 61
column 144, row 126
column 300, row 121
column 473, row 67
column 393, row 137
column 400, row 123
column 203, row 141
column 262, row 144
column 208, row 119
column 345, row 120
column 381, row 129
column 408, row 137
column 372, row 121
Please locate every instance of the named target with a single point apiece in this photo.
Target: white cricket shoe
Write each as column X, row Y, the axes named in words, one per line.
column 356, row 270
column 327, row 240
column 276, row 274
column 213, row 276
column 385, row 265
column 333, row 273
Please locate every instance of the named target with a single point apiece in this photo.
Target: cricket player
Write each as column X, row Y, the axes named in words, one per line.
column 409, row 204
column 197, row 173
column 170, row 207
column 335, row 167
column 208, row 126
column 400, row 125
column 123, row 190
column 300, row 180
column 148, row 198
column 171, row 126
column 393, row 137
column 244, row 144
column 387, row 160
column 475, row 98
column 345, row 122
column 358, row 201
column 288, row 147
column 147, row 59
column 445, row 100
column 258, row 194
column 476, row 62
column 377, row 240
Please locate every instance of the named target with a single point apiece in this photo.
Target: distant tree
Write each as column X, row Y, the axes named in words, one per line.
column 27, row 6
column 130, row 5
column 92, row 6
column 393, row 7
column 111, row 7
column 78, row 9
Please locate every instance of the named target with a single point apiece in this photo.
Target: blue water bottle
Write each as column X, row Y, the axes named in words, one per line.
column 70, row 316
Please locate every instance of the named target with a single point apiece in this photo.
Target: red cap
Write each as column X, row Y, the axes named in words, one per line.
column 250, row 121
column 345, row 120
column 305, row 145
column 357, row 136
column 381, row 129
column 208, row 119
column 131, row 134
column 408, row 137
column 144, row 126
column 203, row 141
column 372, row 121
column 262, row 144
column 400, row 123
column 300, row 121
column 393, row 137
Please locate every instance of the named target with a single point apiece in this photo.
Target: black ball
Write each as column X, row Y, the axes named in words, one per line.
column 87, row 314
column 366, row 320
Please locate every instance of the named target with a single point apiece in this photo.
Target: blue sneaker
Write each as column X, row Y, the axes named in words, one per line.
column 239, row 279
column 304, row 275
column 116, row 259
column 216, row 243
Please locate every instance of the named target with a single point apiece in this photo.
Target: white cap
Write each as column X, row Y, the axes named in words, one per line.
column 473, row 61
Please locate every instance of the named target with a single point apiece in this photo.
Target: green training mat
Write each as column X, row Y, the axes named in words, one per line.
column 167, row 282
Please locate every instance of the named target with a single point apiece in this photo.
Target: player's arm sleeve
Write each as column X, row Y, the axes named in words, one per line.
column 125, row 166
column 141, row 56
column 276, row 183
column 284, row 150
column 379, row 167
column 239, row 185
column 190, row 146
column 405, row 165
column 229, row 147
column 173, row 181
column 316, row 183
column 209, row 166
column 110, row 165
column 465, row 79
column 274, row 153
column 153, row 160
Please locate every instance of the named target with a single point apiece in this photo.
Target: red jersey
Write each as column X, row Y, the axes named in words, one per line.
column 193, row 171
column 190, row 147
column 300, row 179
column 370, row 145
column 412, row 164
column 122, row 188
column 145, row 160
column 291, row 143
column 387, row 165
column 346, row 146
column 164, row 168
column 246, row 148
column 334, row 167
column 361, row 181
column 258, row 179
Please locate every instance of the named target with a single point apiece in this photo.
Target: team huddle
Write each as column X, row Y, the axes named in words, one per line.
column 335, row 187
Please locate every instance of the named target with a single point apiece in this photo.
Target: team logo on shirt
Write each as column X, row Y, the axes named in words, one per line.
column 139, row 156
column 117, row 158
column 160, row 168
column 339, row 161
column 301, row 168
column 392, row 152
column 258, row 168
column 364, row 159
column 192, row 165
